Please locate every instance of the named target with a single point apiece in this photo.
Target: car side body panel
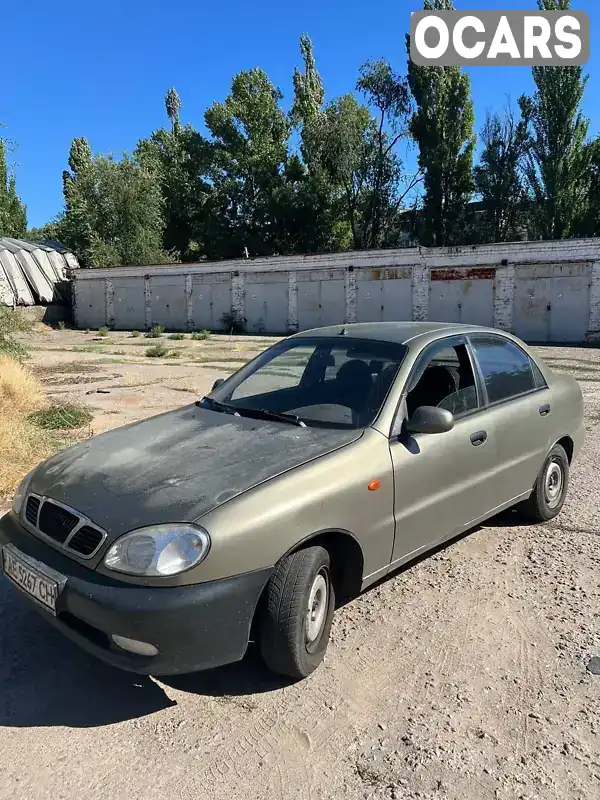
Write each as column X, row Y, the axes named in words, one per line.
column 523, row 441
column 443, row 481
column 391, row 526
column 331, row 493
column 567, row 413
column 264, row 488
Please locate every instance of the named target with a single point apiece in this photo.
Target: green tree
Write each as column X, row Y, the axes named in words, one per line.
column 588, row 223
column 389, row 94
column 309, row 92
column 76, row 226
column 442, row 127
column 318, row 202
column 249, row 170
column 179, row 159
column 346, row 131
column 50, row 230
column 499, row 178
column 350, row 150
column 558, row 159
column 13, row 214
column 113, row 210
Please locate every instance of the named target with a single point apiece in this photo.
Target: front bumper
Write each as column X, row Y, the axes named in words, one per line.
column 194, row 627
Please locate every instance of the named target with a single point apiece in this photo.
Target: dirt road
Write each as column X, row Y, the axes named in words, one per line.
column 462, row 677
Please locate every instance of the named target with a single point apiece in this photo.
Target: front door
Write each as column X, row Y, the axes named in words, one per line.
column 443, row 482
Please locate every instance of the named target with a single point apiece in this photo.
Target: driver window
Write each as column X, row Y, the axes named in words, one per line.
column 447, row 381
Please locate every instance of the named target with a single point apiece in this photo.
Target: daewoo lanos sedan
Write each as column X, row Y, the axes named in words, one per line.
column 328, row 461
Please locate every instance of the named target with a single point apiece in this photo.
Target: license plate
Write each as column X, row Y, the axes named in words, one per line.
column 38, row 581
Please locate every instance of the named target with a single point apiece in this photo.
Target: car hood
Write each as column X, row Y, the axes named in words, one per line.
column 176, row 466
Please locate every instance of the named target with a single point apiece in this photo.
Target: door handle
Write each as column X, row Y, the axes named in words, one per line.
column 479, row 438
column 545, row 410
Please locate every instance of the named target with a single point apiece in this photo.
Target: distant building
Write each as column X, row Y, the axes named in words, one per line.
column 475, row 209
column 31, row 274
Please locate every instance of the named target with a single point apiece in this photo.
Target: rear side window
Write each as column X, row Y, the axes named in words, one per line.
column 506, row 369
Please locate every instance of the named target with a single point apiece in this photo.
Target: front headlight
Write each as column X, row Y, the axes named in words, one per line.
column 19, row 497
column 159, row 550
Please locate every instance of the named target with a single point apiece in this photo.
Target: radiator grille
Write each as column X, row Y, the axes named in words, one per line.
column 56, row 522
column 31, row 510
column 86, row 540
column 65, row 526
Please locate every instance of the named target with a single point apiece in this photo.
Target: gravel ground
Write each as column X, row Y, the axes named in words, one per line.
column 464, row 676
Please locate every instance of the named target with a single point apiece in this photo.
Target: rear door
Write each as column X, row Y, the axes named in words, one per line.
column 520, row 403
column 443, row 482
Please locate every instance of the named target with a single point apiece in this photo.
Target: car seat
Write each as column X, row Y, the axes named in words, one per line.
column 353, row 384
column 435, row 384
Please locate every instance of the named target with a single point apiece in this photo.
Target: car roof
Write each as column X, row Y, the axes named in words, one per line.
column 399, row 332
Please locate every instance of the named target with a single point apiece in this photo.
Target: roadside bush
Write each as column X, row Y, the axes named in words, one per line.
column 155, row 332
column 177, row 337
column 199, row 335
column 135, row 334
column 103, row 331
column 157, row 351
column 61, row 417
column 12, row 321
column 174, row 354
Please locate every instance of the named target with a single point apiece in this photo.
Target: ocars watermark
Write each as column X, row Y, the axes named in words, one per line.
column 528, row 38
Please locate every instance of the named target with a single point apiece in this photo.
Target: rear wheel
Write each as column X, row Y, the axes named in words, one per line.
column 550, row 490
column 296, row 620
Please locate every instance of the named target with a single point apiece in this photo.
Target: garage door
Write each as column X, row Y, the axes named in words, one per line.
column 211, row 299
column 266, row 302
column 552, row 302
column 321, row 299
column 168, row 301
column 383, row 295
column 129, row 310
column 462, row 295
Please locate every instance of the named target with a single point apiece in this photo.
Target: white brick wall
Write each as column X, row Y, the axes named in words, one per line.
column 502, row 260
column 504, row 297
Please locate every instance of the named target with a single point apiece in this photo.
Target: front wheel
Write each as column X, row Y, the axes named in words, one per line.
column 296, row 620
column 550, row 490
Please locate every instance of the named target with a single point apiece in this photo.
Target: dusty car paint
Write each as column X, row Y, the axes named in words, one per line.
column 177, row 466
column 259, row 488
column 434, row 498
column 263, row 488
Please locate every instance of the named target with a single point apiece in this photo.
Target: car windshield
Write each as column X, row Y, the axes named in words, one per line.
column 329, row 381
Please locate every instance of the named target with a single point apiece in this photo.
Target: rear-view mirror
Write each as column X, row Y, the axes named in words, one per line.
column 430, row 419
column 217, row 383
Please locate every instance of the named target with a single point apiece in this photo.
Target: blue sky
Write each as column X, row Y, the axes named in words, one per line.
column 101, row 70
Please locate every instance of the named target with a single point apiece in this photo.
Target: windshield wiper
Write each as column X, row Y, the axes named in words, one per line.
column 264, row 413
column 217, row 405
column 228, row 408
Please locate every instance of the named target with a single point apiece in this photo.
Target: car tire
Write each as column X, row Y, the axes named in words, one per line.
column 550, row 490
column 296, row 619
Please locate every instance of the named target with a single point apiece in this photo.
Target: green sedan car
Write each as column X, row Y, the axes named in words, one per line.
column 327, row 462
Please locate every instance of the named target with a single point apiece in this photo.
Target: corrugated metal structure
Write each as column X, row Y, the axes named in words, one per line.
column 542, row 291
column 31, row 273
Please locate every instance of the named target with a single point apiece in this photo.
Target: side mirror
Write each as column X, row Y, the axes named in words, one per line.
column 217, row 383
column 429, row 419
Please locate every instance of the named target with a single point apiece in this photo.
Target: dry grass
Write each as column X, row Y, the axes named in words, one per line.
column 20, row 390
column 23, row 444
